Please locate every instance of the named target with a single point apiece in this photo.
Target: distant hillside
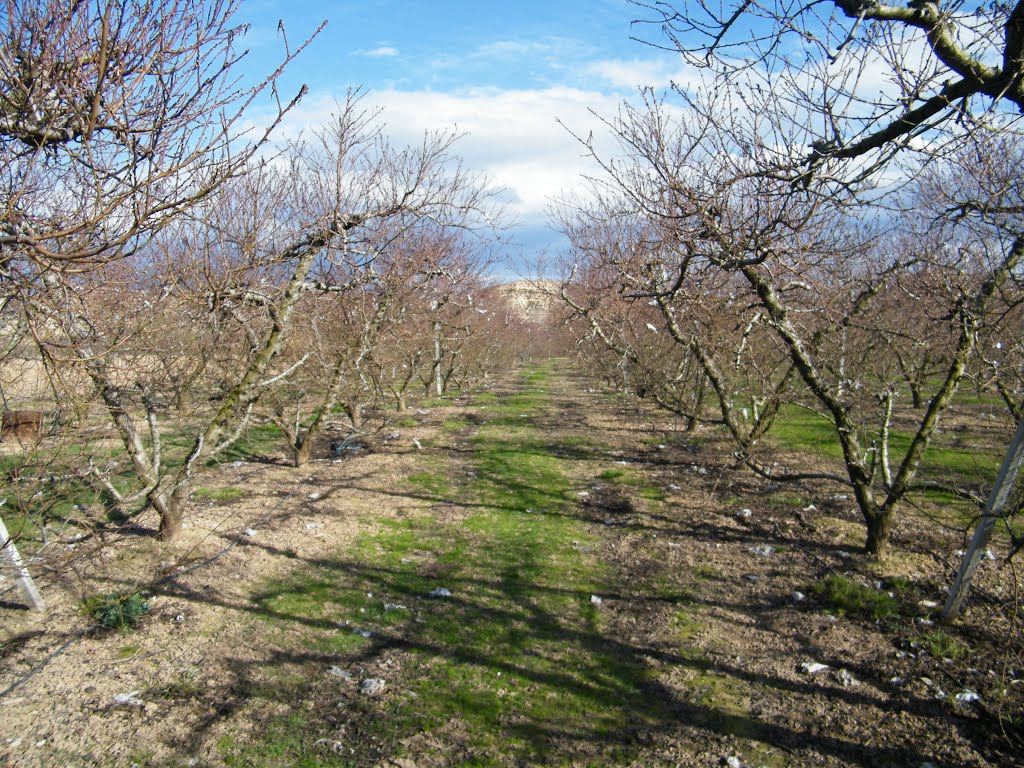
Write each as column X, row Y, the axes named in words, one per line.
column 531, row 299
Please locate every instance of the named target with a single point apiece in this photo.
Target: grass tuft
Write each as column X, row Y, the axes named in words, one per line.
column 847, row 597
column 121, row 611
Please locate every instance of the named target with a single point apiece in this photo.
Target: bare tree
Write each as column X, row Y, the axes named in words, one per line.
column 115, row 117
column 874, row 81
column 803, row 271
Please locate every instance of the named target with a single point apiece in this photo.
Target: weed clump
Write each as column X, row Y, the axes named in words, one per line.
column 941, row 645
column 847, row 597
column 117, row 610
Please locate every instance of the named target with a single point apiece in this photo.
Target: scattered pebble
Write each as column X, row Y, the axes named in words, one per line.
column 810, row 508
column 583, row 494
column 764, row 550
column 596, row 600
column 372, row 686
column 419, row 446
column 129, row 699
column 847, row 679
column 250, row 531
column 344, row 674
column 673, row 487
column 440, row 592
column 743, row 514
column 928, row 604
column 336, row 746
column 966, row 697
column 313, row 496
column 813, row 667
column 752, row 578
column 988, row 555
column 313, row 526
column 394, row 607
column 798, row 597
column 362, row 632
column 732, row 762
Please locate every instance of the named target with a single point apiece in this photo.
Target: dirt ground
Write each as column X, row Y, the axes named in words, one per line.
column 734, row 678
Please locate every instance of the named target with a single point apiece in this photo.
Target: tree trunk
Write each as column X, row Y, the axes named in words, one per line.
column 694, row 418
column 915, row 395
column 437, row 358
column 354, row 411
column 172, row 514
column 184, row 399
column 878, row 524
column 300, row 454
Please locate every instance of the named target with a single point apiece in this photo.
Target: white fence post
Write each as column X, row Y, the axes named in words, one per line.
column 21, row 575
column 993, row 509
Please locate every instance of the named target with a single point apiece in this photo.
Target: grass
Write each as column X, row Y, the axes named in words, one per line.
column 941, row 645
column 218, row 494
column 120, row 611
column 258, row 441
column 634, row 480
column 514, row 660
column 797, row 428
column 848, row 598
column 431, row 483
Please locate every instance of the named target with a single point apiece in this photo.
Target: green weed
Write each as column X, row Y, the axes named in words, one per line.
column 941, row 645
column 117, row 610
column 847, row 597
column 431, row 483
column 218, row 494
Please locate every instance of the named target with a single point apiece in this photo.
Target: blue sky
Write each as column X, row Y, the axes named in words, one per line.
column 503, row 73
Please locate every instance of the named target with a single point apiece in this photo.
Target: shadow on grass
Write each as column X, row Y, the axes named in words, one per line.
column 527, row 679
column 518, row 664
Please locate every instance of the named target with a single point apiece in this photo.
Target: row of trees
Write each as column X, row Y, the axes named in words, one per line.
column 178, row 274
column 839, row 229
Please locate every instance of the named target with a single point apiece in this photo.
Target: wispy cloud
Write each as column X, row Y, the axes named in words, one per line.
column 384, row 50
column 546, row 60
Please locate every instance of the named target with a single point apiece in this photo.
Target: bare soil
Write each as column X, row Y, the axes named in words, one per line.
column 729, row 681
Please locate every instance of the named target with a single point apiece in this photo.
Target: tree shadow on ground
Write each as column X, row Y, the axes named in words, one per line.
column 502, row 634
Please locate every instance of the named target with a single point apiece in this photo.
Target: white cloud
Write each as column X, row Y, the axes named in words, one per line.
column 513, row 136
column 384, row 50
column 634, row 73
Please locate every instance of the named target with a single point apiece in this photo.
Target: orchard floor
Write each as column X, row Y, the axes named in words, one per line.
column 535, row 576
